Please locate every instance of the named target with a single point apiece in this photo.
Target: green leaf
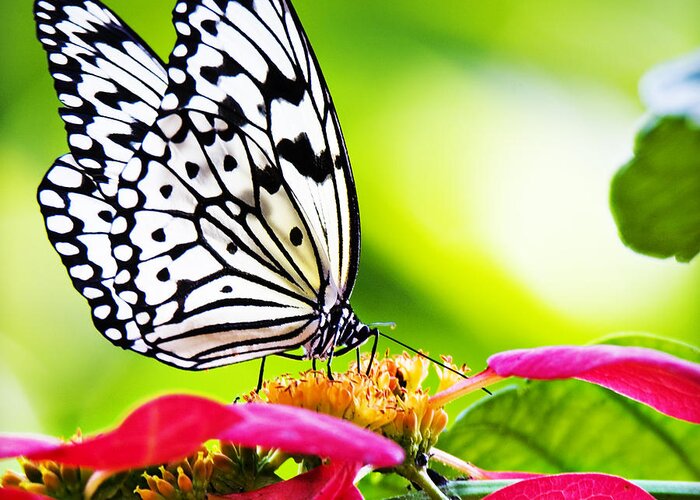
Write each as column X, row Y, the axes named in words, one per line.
column 571, row 426
column 655, row 198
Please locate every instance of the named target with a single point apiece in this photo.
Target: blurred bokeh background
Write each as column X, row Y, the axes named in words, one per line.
column 483, row 136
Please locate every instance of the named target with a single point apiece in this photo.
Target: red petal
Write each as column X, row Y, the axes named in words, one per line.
column 298, row 430
column 333, row 481
column 669, row 384
column 572, row 486
column 171, row 427
column 15, row 494
column 12, row 445
column 164, row 429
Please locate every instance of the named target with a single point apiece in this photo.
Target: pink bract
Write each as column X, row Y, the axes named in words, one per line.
column 664, row 382
column 570, row 487
column 15, row 494
column 171, row 427
column 335, row 480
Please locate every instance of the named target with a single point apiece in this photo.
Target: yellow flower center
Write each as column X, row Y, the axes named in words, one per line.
column 390, row 399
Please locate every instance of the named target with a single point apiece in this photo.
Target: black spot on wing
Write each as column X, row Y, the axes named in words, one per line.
column 268, row 178
column 230, row 163
column 296, row 237
column 192, row 169
column 163, row 274
column 300, row 154
column 278, row 86
column 166, row 191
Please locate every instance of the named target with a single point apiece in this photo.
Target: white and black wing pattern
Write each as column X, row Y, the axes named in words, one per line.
column 250, row 63
column 111, row 85
column 234, row 228
column 238, row 230
column 109, row 81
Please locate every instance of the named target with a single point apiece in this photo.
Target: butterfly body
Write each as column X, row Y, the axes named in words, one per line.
column 207, row 209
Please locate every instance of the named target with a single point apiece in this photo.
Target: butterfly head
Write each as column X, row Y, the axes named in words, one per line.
column 339, row 327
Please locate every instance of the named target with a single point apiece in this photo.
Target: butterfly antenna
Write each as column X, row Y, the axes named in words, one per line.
column 430, row 359
column 375, row 332
column 419, row 353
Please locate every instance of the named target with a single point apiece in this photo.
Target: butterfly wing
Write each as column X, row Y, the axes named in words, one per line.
column 251, row 62
column 108, row 80
column 246, row 175
column 234, row 225
column 110, row 84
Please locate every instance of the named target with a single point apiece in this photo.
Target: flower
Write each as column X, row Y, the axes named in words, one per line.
column 572, row 486
column 286, row 419
column 664, row 382
column 164, row 430
column 388, row 399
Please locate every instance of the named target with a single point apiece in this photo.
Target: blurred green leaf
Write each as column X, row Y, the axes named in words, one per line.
column 655, row 197
column 570, row 426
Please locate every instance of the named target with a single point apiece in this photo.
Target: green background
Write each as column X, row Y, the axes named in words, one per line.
column 483, row 137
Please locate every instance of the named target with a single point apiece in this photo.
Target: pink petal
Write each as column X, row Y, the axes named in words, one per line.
column 12, row 445
column 664, row 382
column 298, row 430
column 164, row 429
column 16, row 494
column 333, row 481
column 171, row 427
column 572, row 486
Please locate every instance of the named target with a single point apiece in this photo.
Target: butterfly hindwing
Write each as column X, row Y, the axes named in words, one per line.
column 209, row 278
column 78, row 222
column 111, row 85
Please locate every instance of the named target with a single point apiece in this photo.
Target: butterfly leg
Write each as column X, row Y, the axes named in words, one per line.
column 261, row 374
column 375, row 334
column 357, row 355
column 313, row 364
column 329, row 370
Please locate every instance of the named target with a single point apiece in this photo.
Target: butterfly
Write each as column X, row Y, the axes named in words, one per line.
column 206, row 209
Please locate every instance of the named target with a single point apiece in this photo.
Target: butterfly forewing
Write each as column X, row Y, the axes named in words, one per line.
column 251, row 63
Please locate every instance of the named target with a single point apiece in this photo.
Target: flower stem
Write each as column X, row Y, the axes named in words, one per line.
column 421, row 478
column 478, row 381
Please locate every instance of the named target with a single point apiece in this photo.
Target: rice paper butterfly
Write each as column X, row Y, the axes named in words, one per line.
column 206, row 209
